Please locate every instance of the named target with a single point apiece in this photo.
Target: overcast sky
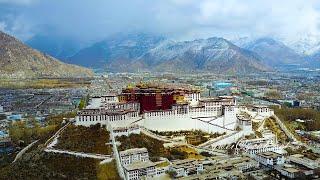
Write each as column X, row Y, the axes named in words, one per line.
column 287, row 20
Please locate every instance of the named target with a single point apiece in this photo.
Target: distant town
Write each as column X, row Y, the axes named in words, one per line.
column 165, row 126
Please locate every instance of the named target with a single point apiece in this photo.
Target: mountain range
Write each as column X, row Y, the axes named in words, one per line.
column 20, row 61
column 149, row 52
column 212, row 55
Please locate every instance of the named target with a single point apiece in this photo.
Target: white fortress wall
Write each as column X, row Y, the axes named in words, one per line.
column 229, row 139
column 229, row 115
column 171, row 121
column 193, row 98
column 121, row 120
column 95, row 102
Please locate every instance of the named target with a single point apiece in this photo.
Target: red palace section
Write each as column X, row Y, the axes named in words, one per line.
column 151, row 98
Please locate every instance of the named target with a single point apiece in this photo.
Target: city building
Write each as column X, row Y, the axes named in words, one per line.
column 259, row 145
column 133, row 155
column 136, row 164
column 300, row 160
column 288, row 171
column 269, row 159
column 186, row 167
column 243, row 164
column 139, row 170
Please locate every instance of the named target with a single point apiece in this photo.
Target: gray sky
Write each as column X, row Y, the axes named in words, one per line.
column 288, row 20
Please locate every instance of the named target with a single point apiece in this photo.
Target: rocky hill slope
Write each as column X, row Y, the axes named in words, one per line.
column 20, row 61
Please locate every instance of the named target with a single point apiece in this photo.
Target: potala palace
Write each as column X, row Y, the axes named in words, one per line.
column 165, row 108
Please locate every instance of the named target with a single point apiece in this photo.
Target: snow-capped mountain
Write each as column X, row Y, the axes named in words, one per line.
column 117, row 50
column 273, row 52
column 151, row 52
column 213, row 54
column 242, row 41
column 307, row 45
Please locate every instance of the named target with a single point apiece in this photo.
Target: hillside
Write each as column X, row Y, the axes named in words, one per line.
column 20, row 61
column 38, row 165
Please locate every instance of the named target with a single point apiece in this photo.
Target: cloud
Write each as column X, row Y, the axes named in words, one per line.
column 17, row 2
column 288, row 20
column 3, row 25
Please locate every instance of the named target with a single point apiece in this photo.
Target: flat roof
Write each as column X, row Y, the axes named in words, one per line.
column 269, row 154
column 139, row 165
column 132, row 151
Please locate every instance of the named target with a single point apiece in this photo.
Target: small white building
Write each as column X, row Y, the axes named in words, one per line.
column 139, row 170
column 245, row 123
column 186, row 167
column 246, row 164
column 260, row 110
column 98, row 101
column 259, row 145
column 269, row 159
column 133, row 155
column 1, row 109
column 136, row 164
column 299, row 159
column 287, row 171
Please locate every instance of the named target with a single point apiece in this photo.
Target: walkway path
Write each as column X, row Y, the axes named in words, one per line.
column 285, row 130
column 155, row 136
column 212, row 141
column 80, row 154
column 116, row 153
column 52, row 141
column 19, row 155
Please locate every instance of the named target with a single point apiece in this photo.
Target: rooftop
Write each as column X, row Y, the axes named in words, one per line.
column 270, row 154
column 133, row 151
column 139, row 165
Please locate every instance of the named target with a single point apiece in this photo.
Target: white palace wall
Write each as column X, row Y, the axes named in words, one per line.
column 206, row 121
column 207, row 115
